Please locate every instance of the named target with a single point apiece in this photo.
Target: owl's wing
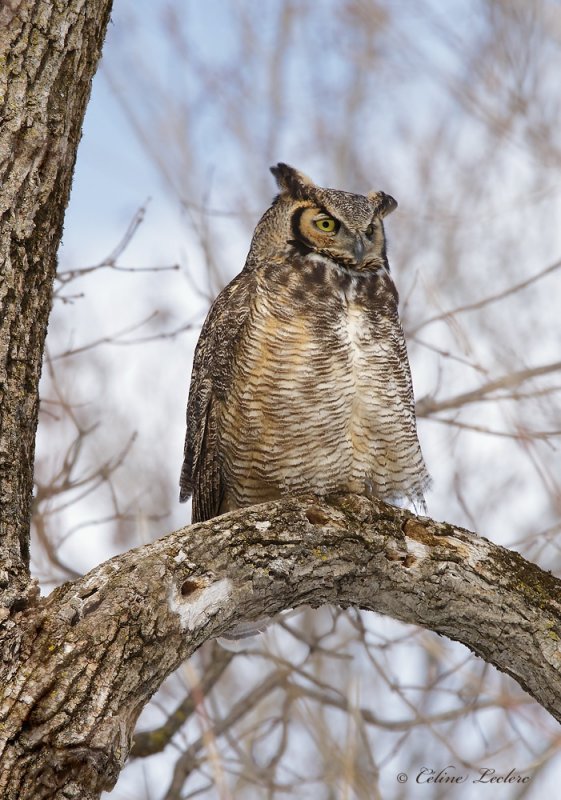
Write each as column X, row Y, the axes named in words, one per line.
column 401, row 425
column 201, row 473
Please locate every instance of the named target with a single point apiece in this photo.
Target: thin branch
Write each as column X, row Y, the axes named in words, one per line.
column 427, row 407
column 519, row 435
column 342, row 703
column 479, row 304
column 115, row 338
column 188, row 761
column 64, row 277
column 149, row 742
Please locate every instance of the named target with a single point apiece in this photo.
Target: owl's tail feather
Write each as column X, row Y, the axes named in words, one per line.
column 246, row 629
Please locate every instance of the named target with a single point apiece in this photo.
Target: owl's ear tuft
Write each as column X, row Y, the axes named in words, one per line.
column 292, row 182
column 384, row 203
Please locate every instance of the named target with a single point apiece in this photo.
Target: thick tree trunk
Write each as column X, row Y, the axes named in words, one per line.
column 91, row 655
column 48, row 54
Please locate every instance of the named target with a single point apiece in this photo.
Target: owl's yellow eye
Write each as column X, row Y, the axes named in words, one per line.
column 369, row 231
column 326, row 224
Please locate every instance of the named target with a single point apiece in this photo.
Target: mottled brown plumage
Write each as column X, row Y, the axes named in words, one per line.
column 301, row 380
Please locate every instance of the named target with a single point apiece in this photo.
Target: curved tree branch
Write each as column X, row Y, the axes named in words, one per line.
column 96, row 649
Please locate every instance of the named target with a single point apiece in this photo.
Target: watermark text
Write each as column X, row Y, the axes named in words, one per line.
column 450, row 774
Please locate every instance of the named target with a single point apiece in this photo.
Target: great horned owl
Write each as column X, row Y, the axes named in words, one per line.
column 301, row 381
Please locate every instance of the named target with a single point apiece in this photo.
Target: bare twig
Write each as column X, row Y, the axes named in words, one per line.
column 427, row 407
column 147, row 743
column 494, row 298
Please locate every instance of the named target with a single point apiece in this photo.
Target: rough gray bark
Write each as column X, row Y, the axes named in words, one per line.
column 92, row 653
column 48, row 55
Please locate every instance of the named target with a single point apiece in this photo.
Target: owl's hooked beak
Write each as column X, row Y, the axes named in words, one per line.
column 358, row 249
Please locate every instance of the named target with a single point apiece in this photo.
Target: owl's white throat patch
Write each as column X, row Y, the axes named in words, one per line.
column 355, row 327
column 319, row 258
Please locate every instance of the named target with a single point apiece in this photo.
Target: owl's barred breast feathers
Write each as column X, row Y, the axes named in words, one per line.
column 301, row 381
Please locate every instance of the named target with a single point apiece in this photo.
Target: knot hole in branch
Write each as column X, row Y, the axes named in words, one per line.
column 189, row 586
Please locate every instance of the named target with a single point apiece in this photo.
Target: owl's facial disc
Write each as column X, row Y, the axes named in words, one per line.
column 316, row 231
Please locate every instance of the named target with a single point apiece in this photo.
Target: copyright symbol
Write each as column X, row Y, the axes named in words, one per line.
column 402, row 777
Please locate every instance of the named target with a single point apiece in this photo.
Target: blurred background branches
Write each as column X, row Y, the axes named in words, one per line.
column 454, row 109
